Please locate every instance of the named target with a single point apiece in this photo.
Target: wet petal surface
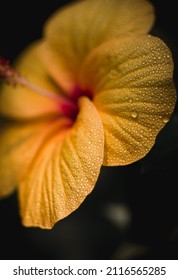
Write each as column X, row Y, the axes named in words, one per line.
column 134, row 94
column 64, row 172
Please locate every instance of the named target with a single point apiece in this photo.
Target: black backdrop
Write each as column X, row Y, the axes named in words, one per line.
column 141, row 197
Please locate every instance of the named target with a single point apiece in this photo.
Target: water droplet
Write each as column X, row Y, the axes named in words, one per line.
column 134, row 114
column 130, row 100
column 165, row 120
column 113, row 73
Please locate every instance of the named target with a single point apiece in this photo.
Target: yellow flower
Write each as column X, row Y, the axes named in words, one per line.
column 110, row 90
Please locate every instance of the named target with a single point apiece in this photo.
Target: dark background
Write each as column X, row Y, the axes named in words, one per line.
column 133, row 211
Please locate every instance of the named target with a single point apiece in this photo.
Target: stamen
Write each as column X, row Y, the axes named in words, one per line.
column 6, row 72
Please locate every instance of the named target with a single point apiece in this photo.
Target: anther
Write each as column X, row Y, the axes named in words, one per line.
column 7, row 73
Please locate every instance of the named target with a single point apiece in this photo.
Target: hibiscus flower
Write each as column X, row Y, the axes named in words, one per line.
column 95, row 90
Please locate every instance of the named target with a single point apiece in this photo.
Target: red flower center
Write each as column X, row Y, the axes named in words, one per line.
column 71, row 109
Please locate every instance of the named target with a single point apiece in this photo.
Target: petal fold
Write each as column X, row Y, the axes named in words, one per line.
column 64, row 172
column 135, row 95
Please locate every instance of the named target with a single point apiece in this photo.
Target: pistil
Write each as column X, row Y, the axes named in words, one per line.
column 12, row 77
column 67, row 105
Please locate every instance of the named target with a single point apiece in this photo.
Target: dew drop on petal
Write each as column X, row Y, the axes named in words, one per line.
column 134, row 114
column 165, row 120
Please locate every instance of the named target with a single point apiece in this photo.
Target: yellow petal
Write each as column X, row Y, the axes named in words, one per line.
column 20, row 102
column 64, row 172
column 134, row 93
column 19, row 144
column 72, row 32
